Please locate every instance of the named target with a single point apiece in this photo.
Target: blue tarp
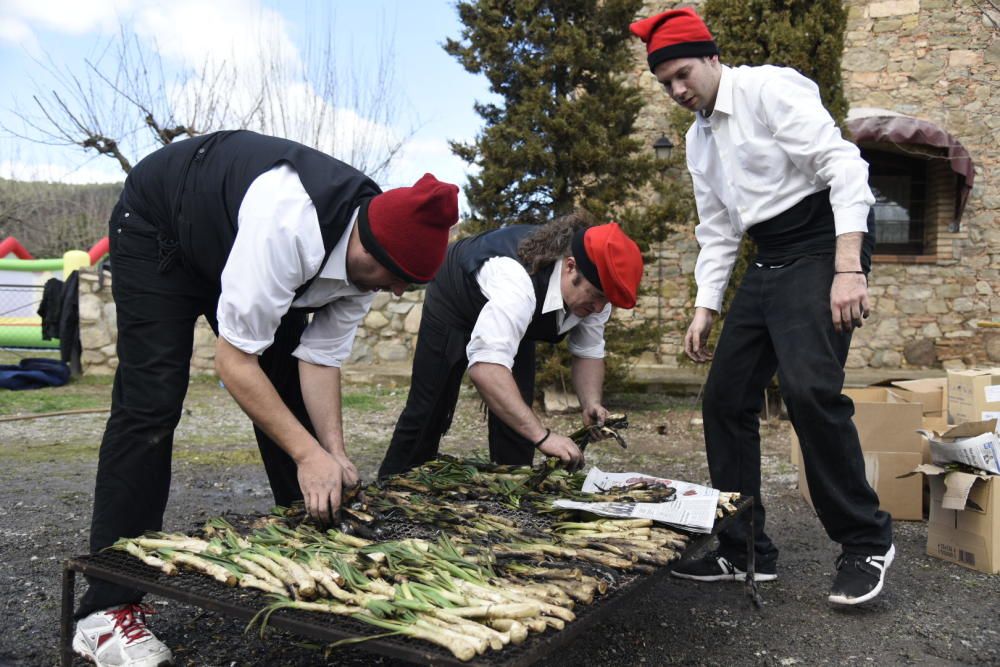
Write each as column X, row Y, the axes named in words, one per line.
column 34, row 374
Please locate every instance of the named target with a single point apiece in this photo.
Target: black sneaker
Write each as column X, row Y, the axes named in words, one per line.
column 859, row 577
column 713, row 566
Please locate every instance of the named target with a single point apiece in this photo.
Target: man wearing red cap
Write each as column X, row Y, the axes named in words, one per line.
column 767, row 160
column 495, row 296
column 254, row 233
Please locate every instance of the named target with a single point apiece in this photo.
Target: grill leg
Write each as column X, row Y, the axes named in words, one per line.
column 66, row 617
column 750, row 584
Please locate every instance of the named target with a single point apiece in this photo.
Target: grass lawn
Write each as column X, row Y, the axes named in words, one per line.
column 84, row 393
column 213, row 431
column 94, row 391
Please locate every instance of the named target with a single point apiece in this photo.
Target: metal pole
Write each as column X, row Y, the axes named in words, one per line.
column 751, row 581
column 66, row 616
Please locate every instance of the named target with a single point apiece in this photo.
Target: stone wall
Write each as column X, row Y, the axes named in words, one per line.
column 938, row 60
column 389, row 331
column 98, row 329
column 387, row 335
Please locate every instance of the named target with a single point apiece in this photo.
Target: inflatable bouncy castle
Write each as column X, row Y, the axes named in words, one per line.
column 27, row 287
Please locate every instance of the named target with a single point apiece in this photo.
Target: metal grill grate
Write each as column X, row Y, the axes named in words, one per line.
column 396, row 526
column 199, row 590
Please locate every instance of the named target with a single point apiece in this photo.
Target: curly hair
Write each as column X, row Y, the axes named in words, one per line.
column 552, row 241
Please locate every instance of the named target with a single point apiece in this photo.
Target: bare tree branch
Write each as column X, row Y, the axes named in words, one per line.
column 125, row 93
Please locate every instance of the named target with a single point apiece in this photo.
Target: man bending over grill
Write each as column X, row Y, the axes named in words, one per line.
column 253, row 232
column 495, row 296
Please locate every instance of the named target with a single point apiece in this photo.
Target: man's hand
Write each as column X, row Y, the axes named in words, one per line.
column 595, row 415
column 350, row 472
column 696, row 339
column 849, row 301
column 323, row 478
column 563, row 449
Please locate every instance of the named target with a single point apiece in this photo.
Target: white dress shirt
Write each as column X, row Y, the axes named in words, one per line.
column 511, row 304
column 278, row 248
column 768, row 144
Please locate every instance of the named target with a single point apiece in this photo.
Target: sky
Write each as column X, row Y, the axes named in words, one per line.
column 45, row 43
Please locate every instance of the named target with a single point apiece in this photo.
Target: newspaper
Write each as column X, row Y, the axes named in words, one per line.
column 975, row 444
column 692, row 507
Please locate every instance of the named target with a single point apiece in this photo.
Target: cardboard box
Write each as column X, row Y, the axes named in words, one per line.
column 969, row 537
column 887, row 427
column 900, row 497
column 931, row 393
column 885, row 422
column 973, row 395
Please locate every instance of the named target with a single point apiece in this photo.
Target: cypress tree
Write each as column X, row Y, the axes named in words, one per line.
column 807, row 35
column 561, row 135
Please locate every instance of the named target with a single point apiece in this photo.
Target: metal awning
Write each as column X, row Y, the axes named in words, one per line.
column 884, row 126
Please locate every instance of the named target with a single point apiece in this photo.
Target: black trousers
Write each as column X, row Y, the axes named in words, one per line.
column 156, row 312
column 439, row 364
column 780, row 320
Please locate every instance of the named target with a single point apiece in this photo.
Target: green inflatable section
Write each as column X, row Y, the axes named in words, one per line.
column 31, row 264
column 22, row 336
column 28, row 335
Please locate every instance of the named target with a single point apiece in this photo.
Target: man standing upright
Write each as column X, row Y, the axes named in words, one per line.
column 767, row 160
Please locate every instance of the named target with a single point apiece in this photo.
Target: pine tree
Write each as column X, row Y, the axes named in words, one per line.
column 562, row 134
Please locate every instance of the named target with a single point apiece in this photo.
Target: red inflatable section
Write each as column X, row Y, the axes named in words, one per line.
column 98, row 250
column 12, row 245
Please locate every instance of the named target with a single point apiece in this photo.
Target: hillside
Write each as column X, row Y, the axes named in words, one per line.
column 51, row 218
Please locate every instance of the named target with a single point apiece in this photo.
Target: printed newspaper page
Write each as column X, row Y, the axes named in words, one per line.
column 692, row 508
column 975, row 444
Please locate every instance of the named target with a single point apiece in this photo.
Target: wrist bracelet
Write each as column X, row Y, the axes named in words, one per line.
column 545, row 437
column 836, row 272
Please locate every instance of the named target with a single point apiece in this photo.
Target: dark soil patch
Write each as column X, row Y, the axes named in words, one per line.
column 931, row 613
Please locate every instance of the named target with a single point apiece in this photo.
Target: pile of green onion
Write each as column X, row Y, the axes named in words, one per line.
column 483, row 578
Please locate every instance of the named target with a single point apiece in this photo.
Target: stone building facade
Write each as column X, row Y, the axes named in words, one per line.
column 934, row 60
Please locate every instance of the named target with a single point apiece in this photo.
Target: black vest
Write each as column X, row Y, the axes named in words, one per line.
column 191, row 191
column 807, row 228
column 455, row 297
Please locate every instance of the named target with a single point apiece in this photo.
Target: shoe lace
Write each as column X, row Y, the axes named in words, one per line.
column 852, row 560
column 131, row 620
column 715, row 554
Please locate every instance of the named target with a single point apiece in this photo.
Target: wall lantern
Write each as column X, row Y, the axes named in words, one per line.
column 663, row 147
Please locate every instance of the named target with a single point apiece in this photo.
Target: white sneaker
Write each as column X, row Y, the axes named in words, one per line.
column 118, row 637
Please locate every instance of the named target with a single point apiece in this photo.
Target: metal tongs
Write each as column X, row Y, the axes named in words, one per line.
column 610, row 428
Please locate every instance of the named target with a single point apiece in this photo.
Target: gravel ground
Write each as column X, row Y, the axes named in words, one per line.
column 932, row 612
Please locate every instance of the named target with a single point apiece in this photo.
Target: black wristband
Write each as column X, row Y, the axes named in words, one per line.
column 545, row 437
column 861, row 272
